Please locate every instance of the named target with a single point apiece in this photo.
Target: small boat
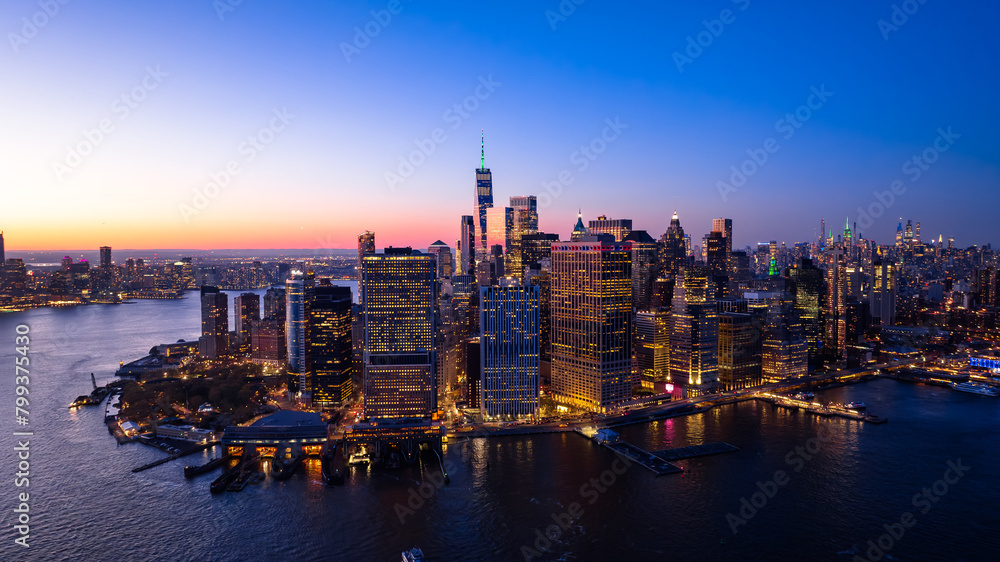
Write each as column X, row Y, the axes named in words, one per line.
column 414, row 555
column 856, row 406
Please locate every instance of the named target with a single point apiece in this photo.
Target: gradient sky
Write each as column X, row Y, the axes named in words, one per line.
column 323, row 178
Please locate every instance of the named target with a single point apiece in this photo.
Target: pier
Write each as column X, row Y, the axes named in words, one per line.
column 194, row 449
column 609, row 439
column 693, row 451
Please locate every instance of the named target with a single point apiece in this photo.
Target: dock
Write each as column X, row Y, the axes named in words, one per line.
column 640, row 456
column 195, row 449
column 693, row 451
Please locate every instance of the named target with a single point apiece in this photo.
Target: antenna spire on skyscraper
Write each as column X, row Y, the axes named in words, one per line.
column 482, row 149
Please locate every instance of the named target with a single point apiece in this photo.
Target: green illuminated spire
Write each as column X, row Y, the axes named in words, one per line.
column 773, row 270
column 482, row 149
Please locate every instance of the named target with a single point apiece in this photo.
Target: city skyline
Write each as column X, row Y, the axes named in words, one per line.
column 678, row 119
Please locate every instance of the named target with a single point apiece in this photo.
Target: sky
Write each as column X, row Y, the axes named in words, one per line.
column 271, row 124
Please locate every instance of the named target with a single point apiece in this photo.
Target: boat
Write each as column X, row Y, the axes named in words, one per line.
column 222, row 482
column 856, row 406
column 976, row 388
column 192, row 471
column 414, row 555
column 331, row 473
column 285, row 471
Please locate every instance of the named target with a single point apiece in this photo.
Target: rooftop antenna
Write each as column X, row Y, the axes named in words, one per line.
column 482, row 149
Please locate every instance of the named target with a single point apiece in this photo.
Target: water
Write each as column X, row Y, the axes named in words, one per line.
column 86, row 502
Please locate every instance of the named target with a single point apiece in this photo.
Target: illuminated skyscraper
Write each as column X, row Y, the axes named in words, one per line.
column 883, row 294
column 619, row 228
column 499, row 228
column 591, row 304
column 740, row 340
column 645, row 267
column 785, row 351
column 509, row 351
column 694, row 333
column 835, row 340
column 525, row 223
column 652, row 348
column 442, row 258
column 399, row 351
column 297, row 291
column 579, row 231
column 725, row 226
column 105, row 256
column 330, row 351
column 483, row 201
column 214, row 341
column 366, row 246
column 247, row 310
column 467, row 247
column 673, row 247
column 808, row 287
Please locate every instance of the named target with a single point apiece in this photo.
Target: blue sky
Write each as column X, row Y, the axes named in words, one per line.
column 327, row 174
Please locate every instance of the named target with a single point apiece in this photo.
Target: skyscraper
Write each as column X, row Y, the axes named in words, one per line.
column 499, row 228
column 808, row 288
column 525, row 223
column 297, row 291
column 105, row 256
column 366, row 246
column 739, row 351
column 835, row 340
column 674, row 247
column 330, row 349
column 591, row 305
column 579, row 231
column 883, row 293
column 399, row 351
column 214, row 341
column 694, row 333
column 785, row 352
column 645, row 267
column 509, row 349
column 247, row 310
column 483, row 201
column 619, row 228
column 442, row 259
column 3, row 254
column 652, row 348
column 725, row 226
column 467, row 247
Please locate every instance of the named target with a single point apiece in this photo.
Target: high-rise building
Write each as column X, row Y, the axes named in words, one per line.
column 214, row 341
column 366, row 246
column 694, row 333
column 673, row 247
column 524, row 223
column 536, row 247
column 740, row 347
column 105, row 256
column 330, row 348
column 442, row 258
column 509, row 347
column 3, row 254
column 483, row 202
column 725, row 226
column 645, row 267
column 297, row 290
column 652, row 348
column 883, row 293
column 579, row 231
column 399, row 351
column 247, row 311
column 619, row 228
column 467, row 247
column 591, row 305
column 785, row 352
column 267, row 341
column 473, row 366
column 274, row 303
column 835, row 340
column 499, row 228
column 808, row 288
